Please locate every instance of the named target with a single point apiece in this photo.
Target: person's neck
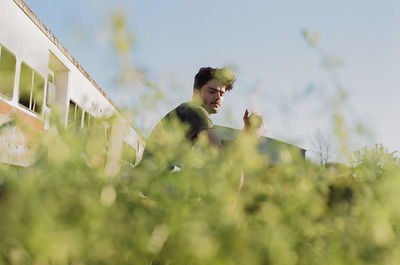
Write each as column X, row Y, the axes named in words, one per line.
column 199, row 101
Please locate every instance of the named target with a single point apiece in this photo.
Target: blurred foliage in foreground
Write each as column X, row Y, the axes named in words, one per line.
column 65, row 210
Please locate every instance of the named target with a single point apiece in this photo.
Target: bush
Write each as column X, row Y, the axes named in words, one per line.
column 64, row 209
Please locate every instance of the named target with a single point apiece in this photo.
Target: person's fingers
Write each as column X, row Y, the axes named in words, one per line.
column 246, row 114
column 257, row 115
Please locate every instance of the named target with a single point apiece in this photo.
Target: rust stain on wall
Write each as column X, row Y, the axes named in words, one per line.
column 16, row 140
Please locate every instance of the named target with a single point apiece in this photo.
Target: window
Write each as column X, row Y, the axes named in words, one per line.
column 31, row 89
column 7, row 72
column 88, row 119
column 74, row 115
column 128, row 154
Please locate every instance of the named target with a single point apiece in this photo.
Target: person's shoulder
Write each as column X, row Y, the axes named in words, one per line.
column 191, row 107
column 186, row 106
column 194, row 114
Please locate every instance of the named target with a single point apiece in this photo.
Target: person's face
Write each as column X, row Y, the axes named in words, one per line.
column 212, row 95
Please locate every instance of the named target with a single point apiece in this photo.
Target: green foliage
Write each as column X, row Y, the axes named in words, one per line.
column 65, row 209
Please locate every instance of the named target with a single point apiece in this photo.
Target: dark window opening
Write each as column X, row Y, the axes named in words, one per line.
column 7, row 72
column 88, row 120
column 74, row 115
column 31, row 89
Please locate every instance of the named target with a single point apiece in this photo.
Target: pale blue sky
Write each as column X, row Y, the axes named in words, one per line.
column 263, row 40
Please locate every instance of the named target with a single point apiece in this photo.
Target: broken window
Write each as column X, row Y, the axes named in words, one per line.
column 31, row 89
column 74, row 115
column 7, row 72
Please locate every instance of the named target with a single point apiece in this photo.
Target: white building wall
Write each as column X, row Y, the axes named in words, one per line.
column 32, row 43
column 27, row 41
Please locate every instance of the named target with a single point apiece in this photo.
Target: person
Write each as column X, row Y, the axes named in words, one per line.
column 192, row 119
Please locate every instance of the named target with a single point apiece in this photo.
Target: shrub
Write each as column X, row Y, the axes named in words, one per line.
column 64, row 209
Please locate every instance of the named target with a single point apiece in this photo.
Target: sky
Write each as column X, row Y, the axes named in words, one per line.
column 279, row 74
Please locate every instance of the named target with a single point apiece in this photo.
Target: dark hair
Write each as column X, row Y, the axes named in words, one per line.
column 223, row 75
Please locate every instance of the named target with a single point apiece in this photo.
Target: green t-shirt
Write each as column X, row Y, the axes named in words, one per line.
column 188, row 119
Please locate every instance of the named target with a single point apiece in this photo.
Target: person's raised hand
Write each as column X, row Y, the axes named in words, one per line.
column 254, row 123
